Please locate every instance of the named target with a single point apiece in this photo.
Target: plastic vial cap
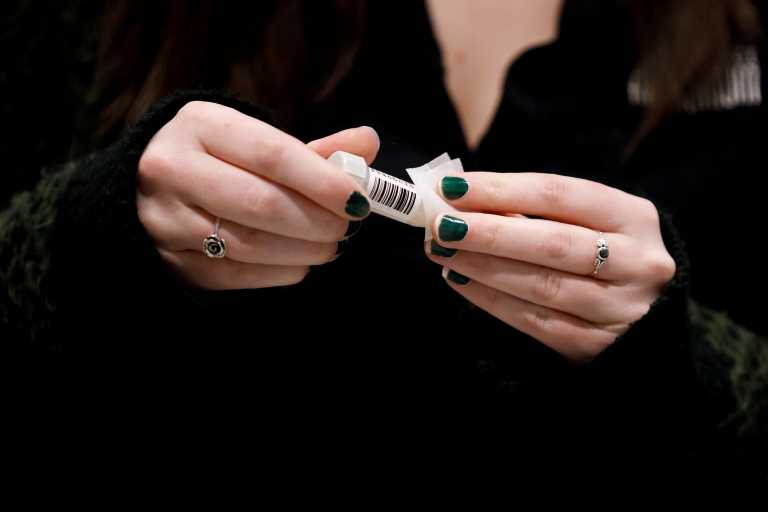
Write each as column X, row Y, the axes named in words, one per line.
column 353, row 165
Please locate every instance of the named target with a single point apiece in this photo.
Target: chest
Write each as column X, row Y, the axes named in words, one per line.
column 478, row 41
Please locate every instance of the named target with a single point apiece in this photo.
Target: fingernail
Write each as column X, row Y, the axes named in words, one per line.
column 354, row 226
column 439, row 250
column 341, row 246
column 454, row 187
column 452, row 229
column 378, row 141
column 357, row 205
column 454, row 276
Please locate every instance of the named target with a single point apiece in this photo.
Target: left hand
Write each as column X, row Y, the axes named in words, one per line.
column 536, row 275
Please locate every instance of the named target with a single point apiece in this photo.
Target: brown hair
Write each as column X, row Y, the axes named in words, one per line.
column 684, row 46
column 287, row 54
column 279, row 53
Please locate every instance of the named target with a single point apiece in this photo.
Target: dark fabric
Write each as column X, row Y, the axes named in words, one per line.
column 100, row 342
column 48, row 52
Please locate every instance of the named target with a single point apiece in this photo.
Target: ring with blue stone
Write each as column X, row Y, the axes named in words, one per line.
column 213, row 245
column 602, row 253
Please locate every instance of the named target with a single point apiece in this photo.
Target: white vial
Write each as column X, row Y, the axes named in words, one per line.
column 390, row 196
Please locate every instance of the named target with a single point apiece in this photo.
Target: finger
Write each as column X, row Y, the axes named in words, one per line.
column 561, row 198
column 541, row 242
column 266, row 151
column 576, row 339
column 199, row 271
column 583, row 297
column 362, row 141
column 253, row 201
column 245, row 244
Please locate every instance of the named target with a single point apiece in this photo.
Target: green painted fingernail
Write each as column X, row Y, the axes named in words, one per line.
column 452, row 229
column 354, row 226
column 454, row 187
column 455, row 277
column 439, row 250
column 357, row 205
column 342, row 245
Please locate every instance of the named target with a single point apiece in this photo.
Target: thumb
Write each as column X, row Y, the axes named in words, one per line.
column 362, row 141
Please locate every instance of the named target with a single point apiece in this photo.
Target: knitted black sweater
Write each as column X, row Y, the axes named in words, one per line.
column 94, row 330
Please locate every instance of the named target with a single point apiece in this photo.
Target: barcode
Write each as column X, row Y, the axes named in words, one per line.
column 392, row 195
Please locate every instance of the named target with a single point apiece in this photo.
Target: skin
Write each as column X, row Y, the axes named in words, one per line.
column 280, row 201
column 537, row 275
column 282, row 204
column 479, row 40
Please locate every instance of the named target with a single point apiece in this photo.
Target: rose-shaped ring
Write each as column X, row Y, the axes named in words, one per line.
column 213, row 245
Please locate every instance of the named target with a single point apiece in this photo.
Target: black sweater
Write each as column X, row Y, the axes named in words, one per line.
column 372, row 358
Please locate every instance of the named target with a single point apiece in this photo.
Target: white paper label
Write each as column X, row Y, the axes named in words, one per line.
column 425, row 180
column 392, row 197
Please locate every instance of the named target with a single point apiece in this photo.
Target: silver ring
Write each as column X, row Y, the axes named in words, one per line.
column 602, row 253
column 213, row 245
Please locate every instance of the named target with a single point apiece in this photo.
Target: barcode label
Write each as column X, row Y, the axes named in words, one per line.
column 392, row 196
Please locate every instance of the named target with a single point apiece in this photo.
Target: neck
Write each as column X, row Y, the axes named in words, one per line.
column 479, row 40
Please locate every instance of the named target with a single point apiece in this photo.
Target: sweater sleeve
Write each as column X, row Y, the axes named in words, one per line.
column 684, row 387
column 27, row 350
column 732, row 364
column 83, row 289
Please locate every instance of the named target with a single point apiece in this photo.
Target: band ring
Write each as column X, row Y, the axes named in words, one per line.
column 602, row 253
column 213, row 245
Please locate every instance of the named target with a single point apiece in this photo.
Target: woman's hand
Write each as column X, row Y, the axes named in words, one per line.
column 538, row 275
column 282, row 206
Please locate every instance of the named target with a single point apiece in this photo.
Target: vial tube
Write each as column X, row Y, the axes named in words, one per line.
column 390, row 196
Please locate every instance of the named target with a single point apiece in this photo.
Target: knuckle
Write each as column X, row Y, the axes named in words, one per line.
column 477, row 264
column 169, row 259
column 326, row 252
column 493, row 236
column 152, row 222
column 638, row 311
column 249, row 239
column 332, row 228
column 559, row 244
column 494, row 190
column 493, row 299
column 647, row 212
column 260, row 201
column 268, row 151
column 661, row 267
column 537, row 318
column 546, row 285
column 553, row 189
column 155, row 164
column 194, row 112
column 295, row 275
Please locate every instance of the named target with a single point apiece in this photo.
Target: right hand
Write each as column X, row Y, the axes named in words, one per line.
column 282, row 206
